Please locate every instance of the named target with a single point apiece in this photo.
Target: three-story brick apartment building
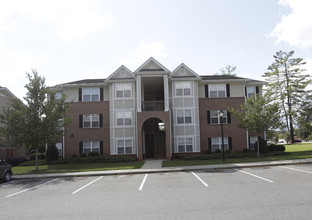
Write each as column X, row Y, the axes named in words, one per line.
column 155, row 113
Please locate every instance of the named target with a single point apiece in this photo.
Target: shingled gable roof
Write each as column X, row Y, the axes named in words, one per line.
column 231, row 77
column 84, row 81
column 176, row 71
column 6, row 92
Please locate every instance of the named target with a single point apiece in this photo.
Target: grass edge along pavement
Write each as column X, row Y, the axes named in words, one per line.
column 294, row 151
column 75, row 167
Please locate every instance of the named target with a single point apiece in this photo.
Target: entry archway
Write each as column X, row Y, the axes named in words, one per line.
column 154, row 138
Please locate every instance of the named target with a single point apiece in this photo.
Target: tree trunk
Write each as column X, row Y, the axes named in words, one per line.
column 292, row 136
column 37, row 160
column 258, row 148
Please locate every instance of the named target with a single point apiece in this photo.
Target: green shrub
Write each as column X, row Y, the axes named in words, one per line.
column 41, row 156
column 33, row 163
column 274, row 147
column 93, row 154
column 208, row 151
column 95, row 159
column 237, row 152
column 83, row 155
column 228, row 152
column 245, row 151
column 51, row 153
column 263, row 146
column 74, row 156
column 217, row 151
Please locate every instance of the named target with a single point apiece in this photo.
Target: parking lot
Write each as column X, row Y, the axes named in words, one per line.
column 278, row 192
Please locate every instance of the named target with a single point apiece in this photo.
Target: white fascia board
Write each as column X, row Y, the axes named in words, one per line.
column 116, row 71
column 152, row 59
column 186, row 67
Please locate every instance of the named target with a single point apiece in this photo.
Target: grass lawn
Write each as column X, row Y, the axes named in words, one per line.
column 297, row 151
column 64, row 168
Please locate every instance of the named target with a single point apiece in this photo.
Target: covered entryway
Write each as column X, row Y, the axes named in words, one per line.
column 154, row 139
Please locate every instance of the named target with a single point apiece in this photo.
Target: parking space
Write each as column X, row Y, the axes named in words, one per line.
column 188, row 193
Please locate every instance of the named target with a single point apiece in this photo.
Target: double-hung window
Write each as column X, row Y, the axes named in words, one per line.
column 251, row 91
column 91, row 146
column 216, row 143
column 184, row 116
column 183, row 88
column 217, row 90
column 123, row 118
column 91, row 121
column 58, row 95
column 124, row 146
column 123, row 90
column 185, row 145
column 252, row 142
column 90, row 94
column 216, row 119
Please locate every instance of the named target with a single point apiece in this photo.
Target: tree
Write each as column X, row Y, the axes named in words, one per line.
column 39, row 121
column 258, row 115
column 228, row 70
column 287, row 86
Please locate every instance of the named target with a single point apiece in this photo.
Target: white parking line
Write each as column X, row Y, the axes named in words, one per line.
column 205, row 184
column 290, row 168
column 87, row 185
column 255, row 176
column 143, row 181
column 32, row 188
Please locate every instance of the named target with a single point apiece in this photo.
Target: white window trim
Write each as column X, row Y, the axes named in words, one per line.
column 124, row 146
column 91, row 121
column 91, row 146
column 253, row 92
column 124, row 114
column 226, row 143
column 90, row 94
column 225, row 116
column 184, row 117
column 183, row 86
column 59, row 146
column 217, row 90
column 254, row 140
column 184, row 144
column 123, row 90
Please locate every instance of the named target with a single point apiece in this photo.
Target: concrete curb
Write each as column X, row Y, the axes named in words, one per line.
column 165, row 170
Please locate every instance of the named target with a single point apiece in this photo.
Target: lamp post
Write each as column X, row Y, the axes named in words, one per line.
column 221, row 114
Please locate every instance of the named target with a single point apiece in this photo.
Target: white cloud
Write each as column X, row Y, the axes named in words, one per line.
column 144, row 52
column 296, row 27
column 68, row 18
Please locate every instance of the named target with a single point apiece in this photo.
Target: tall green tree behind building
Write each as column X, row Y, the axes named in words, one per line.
column 287, row 86
column 38, row 121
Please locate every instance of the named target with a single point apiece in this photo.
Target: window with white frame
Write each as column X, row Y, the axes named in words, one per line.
column 216, row 143
column 252, row 144
column 90, row 94
column 124, row 146
column 91, row 146
column 123, row 118
column 59, row 148
column 251, row 91
column 123, row 90
column 91, row 121
column 215, row 117
column 217, row 90
column 184, row 116
column 185, row 145
column 183, row 88
column 58, row 95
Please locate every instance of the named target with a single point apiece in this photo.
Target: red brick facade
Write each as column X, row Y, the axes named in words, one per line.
column 74, row 134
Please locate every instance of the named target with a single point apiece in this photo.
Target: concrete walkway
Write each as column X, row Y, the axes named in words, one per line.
column 154, row 166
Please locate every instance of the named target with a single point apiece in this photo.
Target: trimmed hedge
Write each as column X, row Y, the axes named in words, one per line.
column 41, row 156
column 94, row 159
column 274, row 147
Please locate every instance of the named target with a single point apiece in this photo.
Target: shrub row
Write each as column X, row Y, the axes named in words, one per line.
column 94, row 159
column 16, row 160
column 219, row 156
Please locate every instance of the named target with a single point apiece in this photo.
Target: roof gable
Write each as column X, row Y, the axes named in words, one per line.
column 152, row 65
column 183, row 71
column 121, row 73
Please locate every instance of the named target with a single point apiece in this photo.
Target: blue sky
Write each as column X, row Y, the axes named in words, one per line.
column 68, row 40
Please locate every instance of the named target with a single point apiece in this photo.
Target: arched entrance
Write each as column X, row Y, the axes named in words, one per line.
column 154, row 139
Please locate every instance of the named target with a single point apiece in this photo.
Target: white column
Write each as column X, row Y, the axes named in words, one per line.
column 138, row 88
column 166, row 93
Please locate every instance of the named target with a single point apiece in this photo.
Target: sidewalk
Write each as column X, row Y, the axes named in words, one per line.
column 154, row 166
